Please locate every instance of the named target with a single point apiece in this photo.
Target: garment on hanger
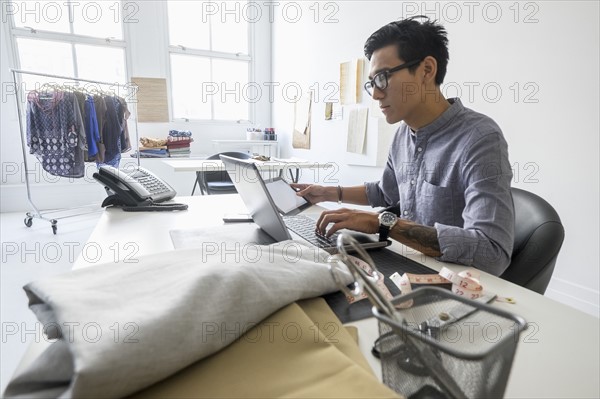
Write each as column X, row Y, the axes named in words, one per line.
column 125, row 139
column 89, row 125
column 67, row 128
column 91, row 128
column 115, row 135
column 79, row 98
column 55, row 133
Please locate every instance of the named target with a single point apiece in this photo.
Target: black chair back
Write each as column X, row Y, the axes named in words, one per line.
column 539, row 235
column 219, row 182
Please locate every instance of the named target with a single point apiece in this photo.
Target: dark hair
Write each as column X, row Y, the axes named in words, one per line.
column 415, row 40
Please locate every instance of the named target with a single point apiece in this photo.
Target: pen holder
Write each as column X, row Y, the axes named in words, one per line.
column 441, row 345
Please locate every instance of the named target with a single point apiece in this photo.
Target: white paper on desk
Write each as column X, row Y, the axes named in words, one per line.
column 357, row 130
column 223, row 235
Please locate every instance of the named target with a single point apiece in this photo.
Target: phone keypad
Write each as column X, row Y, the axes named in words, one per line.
column 151, row 183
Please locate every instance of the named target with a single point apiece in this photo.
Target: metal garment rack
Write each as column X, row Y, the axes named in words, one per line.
column 36, row 213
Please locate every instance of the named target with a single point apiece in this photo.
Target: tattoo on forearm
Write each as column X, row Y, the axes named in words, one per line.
column 425, row 236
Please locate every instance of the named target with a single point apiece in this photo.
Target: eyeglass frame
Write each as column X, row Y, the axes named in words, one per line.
column 387, row 74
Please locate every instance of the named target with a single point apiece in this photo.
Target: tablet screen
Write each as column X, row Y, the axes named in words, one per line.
column 284, row 196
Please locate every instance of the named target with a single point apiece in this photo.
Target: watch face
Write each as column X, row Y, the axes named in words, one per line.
column 387, row 218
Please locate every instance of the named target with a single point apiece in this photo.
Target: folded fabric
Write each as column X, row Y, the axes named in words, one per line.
column 300, row 351
column 172, row 139
column 164, row 147
column 179, row 133
column 152, row 142
column 178, row 145
column 153, row 151
column 121, row 327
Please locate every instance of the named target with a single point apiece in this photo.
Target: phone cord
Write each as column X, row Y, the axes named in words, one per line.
column 156, row 207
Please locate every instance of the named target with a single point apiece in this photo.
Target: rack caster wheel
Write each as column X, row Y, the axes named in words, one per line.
column 28, row 221
column 54, row 226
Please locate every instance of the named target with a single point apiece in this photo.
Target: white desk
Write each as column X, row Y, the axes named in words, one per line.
column 269, row 148
column 558, row 356
column 316, row 171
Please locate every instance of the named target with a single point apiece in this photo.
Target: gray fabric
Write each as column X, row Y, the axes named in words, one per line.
column 125, row 326
column 454, row 174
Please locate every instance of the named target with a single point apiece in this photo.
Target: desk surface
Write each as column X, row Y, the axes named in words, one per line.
column 312, row 171
column 558, row 356
column 194, row 165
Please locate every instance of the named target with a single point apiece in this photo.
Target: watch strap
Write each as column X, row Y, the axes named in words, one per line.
column 384, row 231
column 385, row 225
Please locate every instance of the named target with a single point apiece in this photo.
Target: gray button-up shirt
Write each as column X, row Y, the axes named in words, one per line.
column 454, row 174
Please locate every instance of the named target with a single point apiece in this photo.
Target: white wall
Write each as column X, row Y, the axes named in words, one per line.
column 552, row 126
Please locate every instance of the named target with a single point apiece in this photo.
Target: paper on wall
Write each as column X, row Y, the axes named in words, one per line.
column 302, row 114
column 357, row 130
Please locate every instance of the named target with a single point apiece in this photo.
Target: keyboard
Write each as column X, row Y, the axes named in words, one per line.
column 305, row 227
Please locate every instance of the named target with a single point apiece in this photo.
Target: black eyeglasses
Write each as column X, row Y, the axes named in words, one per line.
column 380, row 80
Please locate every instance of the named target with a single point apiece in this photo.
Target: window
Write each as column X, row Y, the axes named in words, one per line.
column 210, row 59
column 82, row 39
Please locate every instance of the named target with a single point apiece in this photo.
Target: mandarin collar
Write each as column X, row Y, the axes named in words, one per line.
column 456, row 106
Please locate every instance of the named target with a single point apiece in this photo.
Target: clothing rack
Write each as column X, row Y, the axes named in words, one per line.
column 36, row 213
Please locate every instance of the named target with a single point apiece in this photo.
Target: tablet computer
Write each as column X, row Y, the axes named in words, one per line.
column 285, row 198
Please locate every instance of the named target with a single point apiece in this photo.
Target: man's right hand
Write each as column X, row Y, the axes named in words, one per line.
column 315, row 193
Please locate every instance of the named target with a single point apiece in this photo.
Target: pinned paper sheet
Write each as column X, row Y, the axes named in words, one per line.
column 337, row 111
column 302, row 110
column 357, row 130
column 328, row 111
column 351, row 81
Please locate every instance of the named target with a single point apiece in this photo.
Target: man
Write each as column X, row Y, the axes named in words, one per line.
column 447, row 174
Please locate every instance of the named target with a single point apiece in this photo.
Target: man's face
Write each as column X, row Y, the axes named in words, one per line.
column 400, row 100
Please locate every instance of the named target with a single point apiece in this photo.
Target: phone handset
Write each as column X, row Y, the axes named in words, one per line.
column 124, row 183
column 139, row 190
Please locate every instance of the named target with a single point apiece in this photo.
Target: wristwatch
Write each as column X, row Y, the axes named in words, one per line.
column 387, row 220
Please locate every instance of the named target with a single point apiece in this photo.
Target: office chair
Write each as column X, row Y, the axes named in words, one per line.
column 539, row 235
column 217, row 182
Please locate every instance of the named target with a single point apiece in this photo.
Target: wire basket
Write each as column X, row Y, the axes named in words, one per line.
column 441, row 345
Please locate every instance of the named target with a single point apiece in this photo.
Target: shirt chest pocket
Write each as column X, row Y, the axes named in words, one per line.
column 438, row 204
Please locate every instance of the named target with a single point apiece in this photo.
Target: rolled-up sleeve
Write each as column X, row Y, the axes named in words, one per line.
column 374, row 194
column 385, row 191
